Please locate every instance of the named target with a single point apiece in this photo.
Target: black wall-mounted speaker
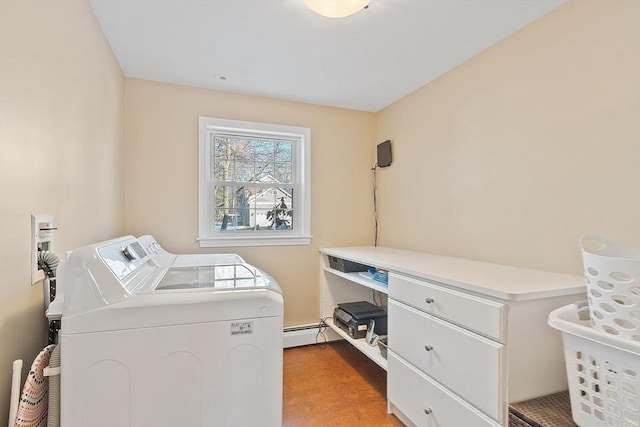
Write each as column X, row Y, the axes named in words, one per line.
column 384, row 154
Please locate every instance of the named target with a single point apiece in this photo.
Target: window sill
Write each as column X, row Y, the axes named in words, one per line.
column 225, row 242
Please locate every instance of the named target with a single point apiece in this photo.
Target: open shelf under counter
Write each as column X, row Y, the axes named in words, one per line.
column 358, row 278
column 372, row 352
column 342, row 287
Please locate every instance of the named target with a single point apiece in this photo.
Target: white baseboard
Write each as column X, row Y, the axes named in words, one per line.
column 297, row 336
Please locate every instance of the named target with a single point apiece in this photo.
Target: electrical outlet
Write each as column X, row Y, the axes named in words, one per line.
column 41, row 240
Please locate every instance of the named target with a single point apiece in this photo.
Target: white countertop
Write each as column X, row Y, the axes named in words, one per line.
column 500, row 281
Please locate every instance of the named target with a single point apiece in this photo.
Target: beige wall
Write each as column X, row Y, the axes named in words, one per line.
column 515, row 154
column 162, row 178
column 508, row 158
column 61, row 153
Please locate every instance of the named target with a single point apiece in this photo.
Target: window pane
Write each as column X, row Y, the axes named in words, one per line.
column 261, row 220
column 244, row 172
column 279, row 214
column 224, row 197
column 242, row 208
column 222, row 147
column 282, row 152
column 223, row 169
column 245, row 160
column 222, row 219
column 233, row 202
column 286, row 196
column 264, row 152
column 232, row 219
column 282, row 173
column 265, row 173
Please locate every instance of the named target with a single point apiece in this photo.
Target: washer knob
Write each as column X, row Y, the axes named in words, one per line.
column 129, row 253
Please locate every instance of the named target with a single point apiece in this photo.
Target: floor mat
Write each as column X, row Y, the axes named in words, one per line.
column 553, row 410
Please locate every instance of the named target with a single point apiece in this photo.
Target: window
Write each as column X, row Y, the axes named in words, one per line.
column 254, row 187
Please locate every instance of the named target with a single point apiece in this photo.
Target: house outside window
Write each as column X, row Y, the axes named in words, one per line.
column 254, row 184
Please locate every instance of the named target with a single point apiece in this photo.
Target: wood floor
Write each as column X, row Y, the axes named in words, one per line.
column 334, row 385
column 337, row 386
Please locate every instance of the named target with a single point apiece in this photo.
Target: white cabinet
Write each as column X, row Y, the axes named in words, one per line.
column 466, row 338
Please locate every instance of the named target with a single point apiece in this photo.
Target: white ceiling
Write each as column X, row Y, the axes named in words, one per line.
column 281, row 49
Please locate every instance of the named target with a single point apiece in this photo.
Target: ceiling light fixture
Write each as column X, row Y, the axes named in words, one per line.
column 337, row 8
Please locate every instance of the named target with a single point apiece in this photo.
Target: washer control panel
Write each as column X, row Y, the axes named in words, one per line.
column 123, row 259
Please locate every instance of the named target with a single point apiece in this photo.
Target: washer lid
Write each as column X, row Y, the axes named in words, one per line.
column 203, row 260
column 213, row 277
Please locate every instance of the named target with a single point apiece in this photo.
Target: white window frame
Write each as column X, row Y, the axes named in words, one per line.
column 208, row 236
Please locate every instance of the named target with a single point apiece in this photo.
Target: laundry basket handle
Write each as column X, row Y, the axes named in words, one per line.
column 593, row 238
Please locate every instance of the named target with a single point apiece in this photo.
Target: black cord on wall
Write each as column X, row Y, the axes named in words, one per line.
column 375, row 205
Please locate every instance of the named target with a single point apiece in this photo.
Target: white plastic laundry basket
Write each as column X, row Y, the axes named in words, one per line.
column 603, row 371
column 612, row 274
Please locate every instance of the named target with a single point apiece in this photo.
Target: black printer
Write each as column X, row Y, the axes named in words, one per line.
column 354, row 317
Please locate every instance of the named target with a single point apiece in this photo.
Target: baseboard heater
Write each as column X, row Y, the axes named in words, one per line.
column 296, row 336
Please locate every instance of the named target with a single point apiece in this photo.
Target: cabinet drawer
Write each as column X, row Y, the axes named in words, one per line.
column 463, row 361
column 426, row 403
column 480, row 314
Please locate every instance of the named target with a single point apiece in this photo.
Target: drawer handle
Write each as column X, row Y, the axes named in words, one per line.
column 428, row 411
column 428, row 300
column 428, row 347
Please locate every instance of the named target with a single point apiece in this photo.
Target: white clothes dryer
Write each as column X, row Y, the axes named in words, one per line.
column 151, row 345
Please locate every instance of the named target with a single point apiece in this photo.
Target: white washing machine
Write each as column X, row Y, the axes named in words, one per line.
column 150, row 343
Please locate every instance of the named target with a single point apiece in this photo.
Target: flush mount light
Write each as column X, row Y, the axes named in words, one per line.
column 336, row 8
